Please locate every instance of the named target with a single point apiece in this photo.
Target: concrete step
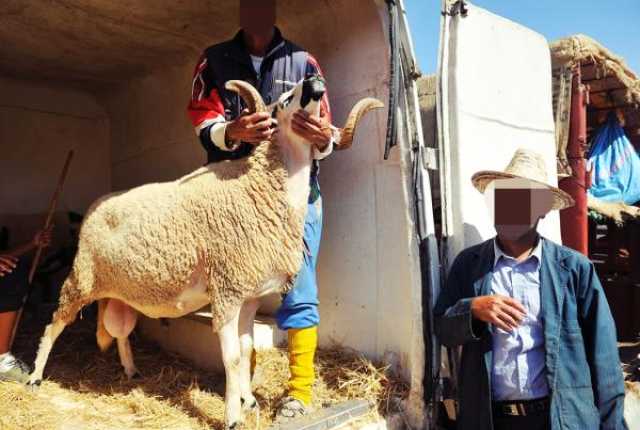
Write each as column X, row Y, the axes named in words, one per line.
column 332, row 418
column 191, row 337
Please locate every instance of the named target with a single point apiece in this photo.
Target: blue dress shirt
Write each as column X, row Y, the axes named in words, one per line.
column 519, row 370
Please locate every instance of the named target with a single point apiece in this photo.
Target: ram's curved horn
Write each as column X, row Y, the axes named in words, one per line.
column 357, row 112
column 249, row 94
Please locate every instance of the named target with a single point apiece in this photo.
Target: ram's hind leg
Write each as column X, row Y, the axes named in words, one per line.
column 51, row 333
column 64, row 316
column 126, row 358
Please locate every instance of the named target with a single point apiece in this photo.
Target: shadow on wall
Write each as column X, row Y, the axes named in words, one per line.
column 471, row 235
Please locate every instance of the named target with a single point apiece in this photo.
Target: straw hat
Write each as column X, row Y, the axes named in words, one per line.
column 529, row 165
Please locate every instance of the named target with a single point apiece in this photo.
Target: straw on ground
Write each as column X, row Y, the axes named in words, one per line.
column 87, row 390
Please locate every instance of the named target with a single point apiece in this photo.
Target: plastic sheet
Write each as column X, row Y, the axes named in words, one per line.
column 614, row 165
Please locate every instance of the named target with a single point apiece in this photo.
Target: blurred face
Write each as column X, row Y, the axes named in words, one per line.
column 517, row 208
column 257, row 16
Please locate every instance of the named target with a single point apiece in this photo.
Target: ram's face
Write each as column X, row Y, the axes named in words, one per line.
column 306, row 95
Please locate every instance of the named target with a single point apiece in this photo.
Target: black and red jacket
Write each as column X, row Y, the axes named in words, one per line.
column 283, row 66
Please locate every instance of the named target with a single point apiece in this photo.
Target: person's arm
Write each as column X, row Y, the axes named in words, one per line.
column 599, row 334
column 454, row 323
column 41, row 239
column 460, row 318
column 318, row 130
column 9, row 260
column 206, row 112
column 7, row 264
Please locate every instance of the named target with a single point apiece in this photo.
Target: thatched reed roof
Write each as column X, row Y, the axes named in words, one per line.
column 612, row 84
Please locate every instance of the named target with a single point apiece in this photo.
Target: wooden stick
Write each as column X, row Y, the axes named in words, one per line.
column 52, row 208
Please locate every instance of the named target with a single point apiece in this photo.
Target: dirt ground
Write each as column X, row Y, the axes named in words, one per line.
column 86, row 389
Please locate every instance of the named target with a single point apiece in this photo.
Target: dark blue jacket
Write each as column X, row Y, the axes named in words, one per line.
column 583, row 367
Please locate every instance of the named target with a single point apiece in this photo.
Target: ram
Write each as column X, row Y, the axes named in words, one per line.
column 224, row 235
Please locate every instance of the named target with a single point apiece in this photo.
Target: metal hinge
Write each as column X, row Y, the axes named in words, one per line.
column 457, row 8
column 430, row 158
column 414, row 73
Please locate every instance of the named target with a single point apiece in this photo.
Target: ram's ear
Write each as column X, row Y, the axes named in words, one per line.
column 273, row 109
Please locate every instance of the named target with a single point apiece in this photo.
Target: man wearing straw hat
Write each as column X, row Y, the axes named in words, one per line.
column 538, row 340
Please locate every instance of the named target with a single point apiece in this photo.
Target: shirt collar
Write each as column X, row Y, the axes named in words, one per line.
column 498, row 253
column 276, row 43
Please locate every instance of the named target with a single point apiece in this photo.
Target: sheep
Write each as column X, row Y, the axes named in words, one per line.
column 225, row 235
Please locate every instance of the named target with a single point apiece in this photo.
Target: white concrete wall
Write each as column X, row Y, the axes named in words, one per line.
column 152, row 139
column 39, row 123
column 364, row 269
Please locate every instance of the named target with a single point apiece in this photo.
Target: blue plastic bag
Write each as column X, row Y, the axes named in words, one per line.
column 614, row 165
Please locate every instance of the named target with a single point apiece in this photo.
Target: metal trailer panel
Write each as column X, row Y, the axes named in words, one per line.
column 495, row 97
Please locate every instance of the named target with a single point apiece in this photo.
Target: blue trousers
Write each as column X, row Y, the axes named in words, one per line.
column 299, row 307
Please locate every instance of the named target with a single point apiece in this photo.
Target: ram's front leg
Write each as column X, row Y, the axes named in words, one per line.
column 246, row 321
column 230, row 347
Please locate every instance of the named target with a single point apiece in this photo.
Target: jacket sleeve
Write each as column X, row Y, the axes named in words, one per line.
column 313, row 68
column 599, row 334
column 454, row 323
column 206, row 110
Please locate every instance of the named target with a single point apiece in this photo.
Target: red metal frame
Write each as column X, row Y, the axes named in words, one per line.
column 573, row 221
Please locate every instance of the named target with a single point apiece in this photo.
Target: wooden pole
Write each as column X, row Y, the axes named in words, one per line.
column 573, row 221
column 52, row 208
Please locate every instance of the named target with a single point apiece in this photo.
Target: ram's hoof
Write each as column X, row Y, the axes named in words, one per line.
column 136, row 376
column 132, row 374
column 236, row 425
column 249, row 405
column 33, row 386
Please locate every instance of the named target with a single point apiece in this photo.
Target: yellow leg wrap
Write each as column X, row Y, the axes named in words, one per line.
column 302, row 348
